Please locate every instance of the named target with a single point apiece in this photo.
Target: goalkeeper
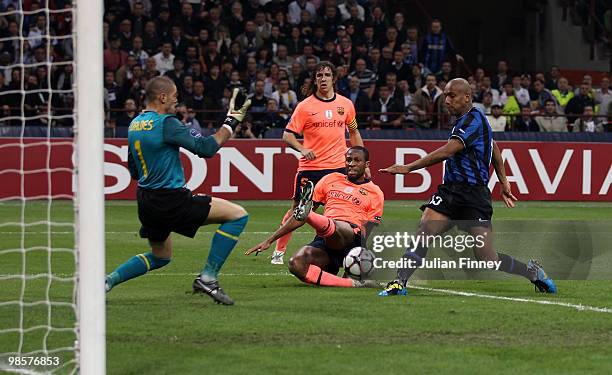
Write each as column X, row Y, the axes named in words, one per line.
column 164, row 204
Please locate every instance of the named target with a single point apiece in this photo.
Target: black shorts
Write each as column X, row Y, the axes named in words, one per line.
column 315, row 176
column 162, row 211
column 470, row 204
column 336, row 256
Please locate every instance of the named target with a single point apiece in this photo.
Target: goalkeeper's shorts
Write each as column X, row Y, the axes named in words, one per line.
column 162, row 211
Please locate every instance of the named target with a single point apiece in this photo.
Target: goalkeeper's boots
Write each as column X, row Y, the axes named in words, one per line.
column 213, row 289
column 301, row 211
column 277, row 257
column 393, row 288
column 542, row 282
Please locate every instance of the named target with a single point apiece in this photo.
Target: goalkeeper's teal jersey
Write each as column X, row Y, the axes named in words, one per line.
column 153, row 156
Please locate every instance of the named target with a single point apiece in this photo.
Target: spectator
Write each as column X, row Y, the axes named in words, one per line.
column 487, row 103
column 496, row 120
column 177, row 73
column 346, row 13
column 188, row 22
column 243, row 130
column 150, row 39
column 114, row 57
column 576, row 105
column 367, row 78
column 562, row 93
column 286, row 98
column 112, row 92
column 126, row 72
column 388, row 113
column 391, row 83
column 485, row 86
column 391, row 39
column 139, row 54
column 272, row 117
column 164, row 60
column 179, row 43
column 295, row 42
column 360, row 99
column 510, row 104
column 151, row 68
column 404, row 98
column 542, row 94
column 549, row 121
column 125, row 34
column 295, row 11
column 416, row 80
column 259, row 101
column 588, row 123
column 521, row 94
column 427, row 103
column 603, row 96
column 282, row 59
column 139, row 20
column 553, row 79
column 202, row 105
column 186, row 88
column 263, row 28
column 525, row 123
column 235, row 21
column 401, row 69
column 187, row 117
column 125, row 117
column 446, row 73
column 502, row 75
column 250, row 41
column 436, row 48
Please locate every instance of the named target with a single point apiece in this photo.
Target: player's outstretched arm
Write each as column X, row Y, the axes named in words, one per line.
column 449, row 149
column 292, row 141
column 498, row 164
column 289, row 226
column 177, row 134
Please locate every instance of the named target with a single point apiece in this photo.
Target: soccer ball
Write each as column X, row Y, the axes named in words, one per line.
column 359, row 263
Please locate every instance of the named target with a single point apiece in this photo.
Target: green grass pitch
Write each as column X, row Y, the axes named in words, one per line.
column 279, row 325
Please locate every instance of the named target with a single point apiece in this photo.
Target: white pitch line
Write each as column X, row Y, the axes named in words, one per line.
column 514, row 299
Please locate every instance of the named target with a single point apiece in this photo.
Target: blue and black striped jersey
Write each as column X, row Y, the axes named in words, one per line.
column 471, row 165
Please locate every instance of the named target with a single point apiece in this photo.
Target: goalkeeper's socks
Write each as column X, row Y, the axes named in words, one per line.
column 323, row 225
column 417, row 256
column 281, row 243
column 135, row 266
column 513, row 266
column 317, row 276
column 223, row 242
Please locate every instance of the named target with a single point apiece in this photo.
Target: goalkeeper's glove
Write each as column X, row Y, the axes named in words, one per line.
column 236, row 115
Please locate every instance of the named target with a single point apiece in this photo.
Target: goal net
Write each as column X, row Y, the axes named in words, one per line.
column 51, row 188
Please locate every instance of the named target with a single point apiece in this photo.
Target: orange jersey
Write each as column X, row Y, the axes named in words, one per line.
column 346, row 201
column 323, row 125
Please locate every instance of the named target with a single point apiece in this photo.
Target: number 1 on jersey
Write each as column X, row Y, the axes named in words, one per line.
column 143, row 164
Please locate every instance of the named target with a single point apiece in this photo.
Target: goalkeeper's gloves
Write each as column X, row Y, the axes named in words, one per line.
column 236, row 115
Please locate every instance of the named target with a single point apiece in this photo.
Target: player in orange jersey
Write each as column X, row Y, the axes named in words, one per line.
column 353, row 205
column 322, row 119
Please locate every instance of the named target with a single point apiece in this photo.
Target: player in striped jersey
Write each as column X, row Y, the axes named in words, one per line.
column 464, row 195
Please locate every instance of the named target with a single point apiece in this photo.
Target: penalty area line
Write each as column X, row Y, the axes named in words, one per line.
column 579, row 307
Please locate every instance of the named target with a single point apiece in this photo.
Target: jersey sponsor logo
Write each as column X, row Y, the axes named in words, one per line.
column 328, row 124
column 340, row 110
column 435, row 200
column 343, row 196
column 328, row 114
column 145, row 125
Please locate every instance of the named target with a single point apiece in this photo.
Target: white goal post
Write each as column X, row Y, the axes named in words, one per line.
column 89, row 133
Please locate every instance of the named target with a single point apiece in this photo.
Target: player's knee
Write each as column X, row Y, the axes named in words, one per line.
column 296, row 266
column 238, row 212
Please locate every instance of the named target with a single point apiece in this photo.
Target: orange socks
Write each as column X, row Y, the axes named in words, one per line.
column 323, row 225
column 317, row 276
column 281, row 243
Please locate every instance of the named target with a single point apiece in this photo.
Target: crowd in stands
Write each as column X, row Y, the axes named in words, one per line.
column 393, row 72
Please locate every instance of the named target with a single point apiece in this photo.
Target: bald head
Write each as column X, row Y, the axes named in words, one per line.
column 157, row 86
column 458, row 96
column 162, row 95
column 460, row 85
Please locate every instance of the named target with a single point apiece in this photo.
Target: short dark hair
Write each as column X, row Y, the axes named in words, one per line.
column 366, row 153
column 156, row 86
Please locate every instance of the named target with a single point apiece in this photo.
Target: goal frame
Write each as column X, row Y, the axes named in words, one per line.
column 89, row 202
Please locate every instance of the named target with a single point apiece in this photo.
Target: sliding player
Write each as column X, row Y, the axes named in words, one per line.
column 464, row 195
column 322, row 119
column 164, row 204
column 353, row 205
